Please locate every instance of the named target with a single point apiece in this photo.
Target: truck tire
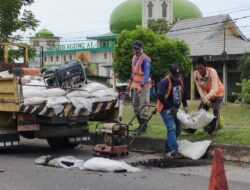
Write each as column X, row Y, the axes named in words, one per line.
column 60, row 143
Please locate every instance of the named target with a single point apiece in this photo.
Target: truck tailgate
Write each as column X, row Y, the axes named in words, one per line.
column 69, row 110
column 9, row 96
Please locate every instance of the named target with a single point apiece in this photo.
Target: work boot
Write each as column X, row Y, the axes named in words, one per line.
column 174, row 154
column 138, row 117
column 212, row 127
column 142, row 127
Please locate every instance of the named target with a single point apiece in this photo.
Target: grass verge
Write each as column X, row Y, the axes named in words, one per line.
column 235, row 116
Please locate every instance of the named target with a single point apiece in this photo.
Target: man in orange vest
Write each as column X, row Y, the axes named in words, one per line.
column 170, row 95
column 140, row 83
column 211, row 90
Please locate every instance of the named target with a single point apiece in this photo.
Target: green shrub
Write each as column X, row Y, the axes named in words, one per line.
column 244, row 96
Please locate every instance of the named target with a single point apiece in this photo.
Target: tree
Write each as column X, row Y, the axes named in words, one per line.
column 162, row 51
column 12, row 21
column 244, row 66
column 159, row 26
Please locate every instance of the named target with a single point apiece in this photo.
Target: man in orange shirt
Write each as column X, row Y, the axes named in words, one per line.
column 211, row 90
column 140, row 83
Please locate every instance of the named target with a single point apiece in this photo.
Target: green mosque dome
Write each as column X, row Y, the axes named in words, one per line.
column 44, row 33
column 129, row 14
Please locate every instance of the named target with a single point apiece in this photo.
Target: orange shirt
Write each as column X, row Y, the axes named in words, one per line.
column 210, row 85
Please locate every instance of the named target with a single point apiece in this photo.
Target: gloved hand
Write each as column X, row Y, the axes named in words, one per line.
column 185, row 109
column 173, row 111
column 206, row 101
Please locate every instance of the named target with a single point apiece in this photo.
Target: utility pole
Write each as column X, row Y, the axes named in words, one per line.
column 225, row 67
column 42, row 60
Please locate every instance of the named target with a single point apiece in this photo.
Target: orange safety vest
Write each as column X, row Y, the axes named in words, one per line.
column 138, row 74
column 207, row 87
column 159, row 105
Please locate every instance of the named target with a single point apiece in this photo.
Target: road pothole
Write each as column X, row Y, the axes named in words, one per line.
column 170, row 163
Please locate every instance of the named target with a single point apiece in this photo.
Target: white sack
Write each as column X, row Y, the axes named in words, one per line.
column 42, row 159
column 30, row 78
column 37, row 83
column 56, row 103
column 108, row 165
column 25, row 80
column 193, row 150
column 104, row 93
column 34, row 85
column 79, row 103
column 93, row 86
column 66, row 162
column 5, row 74
column 78, row 93
column 102, row 99
column 27, row 87
column 195, row 120
column 94, row 164
column 31, row 93
column 54, row 92
column 33, row 101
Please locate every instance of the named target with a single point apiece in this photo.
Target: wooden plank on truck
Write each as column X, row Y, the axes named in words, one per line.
column 9, row 95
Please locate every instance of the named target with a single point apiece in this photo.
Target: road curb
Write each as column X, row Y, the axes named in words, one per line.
column 239, row 153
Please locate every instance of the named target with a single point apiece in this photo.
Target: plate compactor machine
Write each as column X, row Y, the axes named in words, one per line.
column 115, row 134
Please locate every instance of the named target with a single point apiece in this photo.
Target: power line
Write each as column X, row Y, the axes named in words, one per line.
column 214, row 23
column 210, row 30
column 225, row 10
column 212, row 41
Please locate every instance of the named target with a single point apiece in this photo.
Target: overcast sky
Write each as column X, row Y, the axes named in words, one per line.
column 75, row 19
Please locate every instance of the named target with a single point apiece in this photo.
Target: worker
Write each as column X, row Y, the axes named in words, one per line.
column 170, row 95
column 211, row 90
column 140, row 83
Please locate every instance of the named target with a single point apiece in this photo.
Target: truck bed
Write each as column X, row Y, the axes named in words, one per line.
column 11, row 101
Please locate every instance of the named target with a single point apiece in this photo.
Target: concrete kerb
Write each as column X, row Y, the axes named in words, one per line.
column 239, row 153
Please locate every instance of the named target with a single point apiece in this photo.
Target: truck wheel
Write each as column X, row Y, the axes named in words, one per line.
column 60, row 143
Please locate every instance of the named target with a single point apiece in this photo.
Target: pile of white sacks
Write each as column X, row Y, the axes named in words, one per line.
column 35, row 93
column 93, row 164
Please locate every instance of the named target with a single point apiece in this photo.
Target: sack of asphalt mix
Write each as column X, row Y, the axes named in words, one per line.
column 193, row 150
column 195, row 120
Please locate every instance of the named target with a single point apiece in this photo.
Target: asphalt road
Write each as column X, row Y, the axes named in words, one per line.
column 20, row 173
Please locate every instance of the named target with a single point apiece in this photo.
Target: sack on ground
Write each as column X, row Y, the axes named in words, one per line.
column 193, row 150
column 195, row 120
column 66, row 162
column 108, row 165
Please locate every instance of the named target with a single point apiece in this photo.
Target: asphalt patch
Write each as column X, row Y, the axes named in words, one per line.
column 171, row 163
